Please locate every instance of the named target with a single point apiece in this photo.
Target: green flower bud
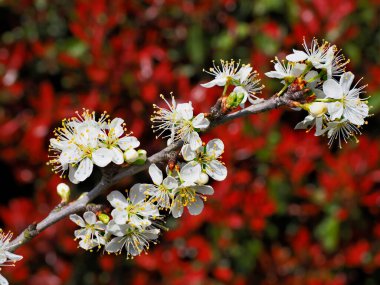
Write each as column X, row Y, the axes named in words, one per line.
column 231, row 99
column 104, row 218
column 130, row 155
column 141, row 157
column 240, row 98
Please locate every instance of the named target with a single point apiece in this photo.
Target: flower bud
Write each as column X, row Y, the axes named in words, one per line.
column 317, row 109
column 131, row 155
column 141, row 157
column 63, row 190
column 239, row 98
column 230, row 102
column 203, row 179
column 104, row 218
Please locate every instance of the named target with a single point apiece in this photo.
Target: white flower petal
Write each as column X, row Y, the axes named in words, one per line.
column 216, row 170
column 156, row 174
column 134, row 248
column 194, row 141
column 297, row 69
column 148, row 189
column 89, row 217
column 200, row 122
column 196, row 207
column 117, row 156
column 117, row 229
column 243, row 73
column 319, row 127
column 117, row 199
column 80, row 233
column 204, row 189
column 177, row 209
column 3, row 257
column 311, row 74
column 346, row 80
column 102, row 156
column 219, row 81
column 335, row 110
column 119, row 216
column 187, row 153
column 72, row 171
column 332, row 89
column 115, row 245
column 84, row 170
column 135, row 194
column 319, row 93
column 3, row 281
column 78, row 220
column 275, row 74
column 306, row 123
column 296, row 56
column 13, row 257
column 185, row 110
column 128, row 142
column 191, row 172
column 170, row 182
column 356, row 114
column 215, row 148
column 117, row 126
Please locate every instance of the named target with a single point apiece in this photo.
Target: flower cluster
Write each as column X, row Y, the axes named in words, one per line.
column 136, row 219
column 7, row 258
column 132, row 226
column 83, row 141
column 179, row 123
column 242, row 77
column 334, row 104
column 185, row 184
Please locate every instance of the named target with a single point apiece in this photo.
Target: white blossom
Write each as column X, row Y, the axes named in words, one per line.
column 179, row 122
column 346, row 101
column 249, row 87
column 116, row 142
column 134, row 239
column 286, row 71
column 83, row 142
column 188, row 130
column 190, row 195
column 335, row 62
column 161, row 190
column 229, row 71
column 311, row 121
column 134, row 209
column 208, row 158
column 165, row 120
column 341, row 130
column 316, row 54
column 92, row 230
column 7, row 258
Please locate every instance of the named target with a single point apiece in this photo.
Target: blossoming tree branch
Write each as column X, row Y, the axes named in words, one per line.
column 314, row 80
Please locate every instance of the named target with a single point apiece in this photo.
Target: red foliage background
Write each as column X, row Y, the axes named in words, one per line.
column 291, row 211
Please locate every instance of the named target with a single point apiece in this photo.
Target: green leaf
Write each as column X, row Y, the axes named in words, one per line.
column 374, row 101
column 195, row 45
column 328, row 233
column 74, row 47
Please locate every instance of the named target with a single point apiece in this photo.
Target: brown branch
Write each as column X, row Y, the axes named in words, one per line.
column 110, row 177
